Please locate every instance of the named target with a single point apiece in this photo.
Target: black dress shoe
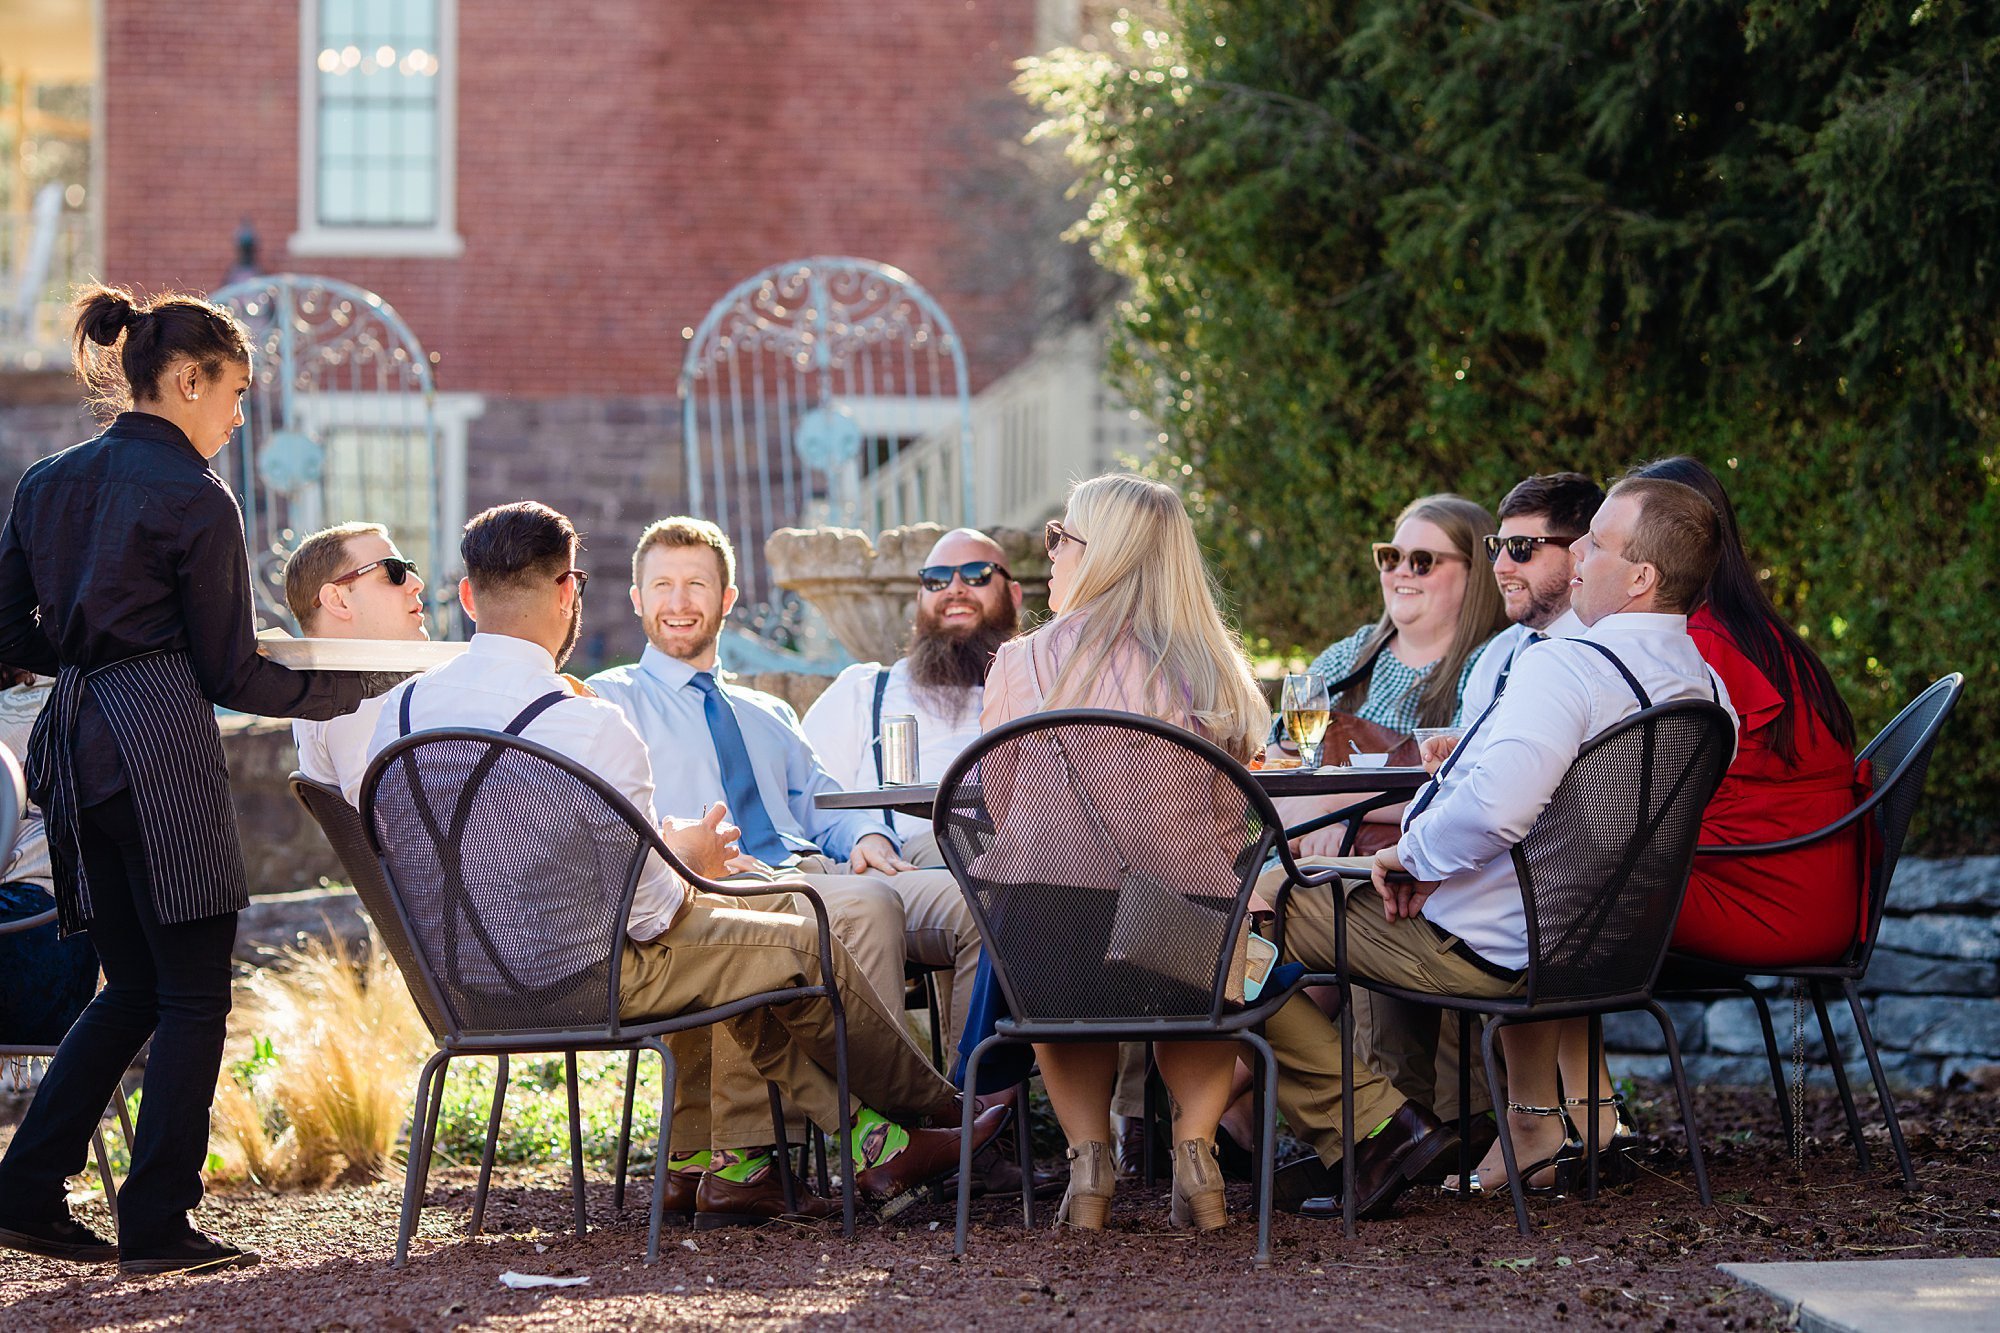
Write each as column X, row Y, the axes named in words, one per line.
column 194, row 1252
column 1387, row 1163
column 1484, row 1132
column 1298, row 1182
column 64, row 1238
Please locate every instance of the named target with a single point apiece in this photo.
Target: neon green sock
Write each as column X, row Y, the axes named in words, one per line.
column 876, row 1139
column 688, row 1161
column 1377, row 1130
column 740, row 1167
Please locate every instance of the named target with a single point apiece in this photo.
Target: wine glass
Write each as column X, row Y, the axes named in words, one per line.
column 1306, row 709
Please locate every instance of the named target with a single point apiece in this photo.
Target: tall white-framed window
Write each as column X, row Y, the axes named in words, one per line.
column 378, row 120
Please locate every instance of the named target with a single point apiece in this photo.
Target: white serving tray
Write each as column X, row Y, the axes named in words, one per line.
column 408, row 655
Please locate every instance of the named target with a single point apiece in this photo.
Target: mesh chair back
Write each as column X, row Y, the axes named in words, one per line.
column 1108, row 859
column 1899, row 759
column 1605, row 866
column 13, row 798
column 514, row 871
column 342, row 825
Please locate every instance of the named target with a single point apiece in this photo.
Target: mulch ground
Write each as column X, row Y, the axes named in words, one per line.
column 1642, row 1259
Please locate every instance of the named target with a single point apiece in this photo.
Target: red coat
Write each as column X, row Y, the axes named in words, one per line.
column 1804, row 906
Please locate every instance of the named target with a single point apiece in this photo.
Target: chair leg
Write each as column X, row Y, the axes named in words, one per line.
column 1593, row 1051
column 418, row 1165
column 1686, row 1100
column 435, row 1110
column 782, row 1152
column 124, row 1118
column 968, row 1104
column 1465, row 1103
column 1834, row 1059
column 1266, row 1065
column 1881, row 1085
column 821, row 1179
column 492, row 1140
column 1499, row 1093
column 844, row 1125
column 1258, row 1089
column 937, row 1022
column 1150, row 1114
column 1777, row 1067
column 1347, row 1144
column 575, row 1146
column 625, row 1135
column 104, row 1172
column 1024, row 1152
column 667, row 1074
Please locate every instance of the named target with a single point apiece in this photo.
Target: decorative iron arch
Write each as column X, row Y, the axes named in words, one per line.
column 803, row 379
column 341, row 427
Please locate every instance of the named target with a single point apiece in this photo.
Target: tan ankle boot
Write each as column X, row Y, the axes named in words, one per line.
column 1198, row 1196
column 1092, row 1177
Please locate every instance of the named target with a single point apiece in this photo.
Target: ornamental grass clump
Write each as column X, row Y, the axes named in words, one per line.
column 321, row 1088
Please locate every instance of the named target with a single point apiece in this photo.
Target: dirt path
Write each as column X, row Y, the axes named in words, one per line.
column 1643, row 1260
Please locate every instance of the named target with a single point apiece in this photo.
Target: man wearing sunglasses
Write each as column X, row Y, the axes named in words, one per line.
column 1530, row 557
column 350, row 582
column 968, row 604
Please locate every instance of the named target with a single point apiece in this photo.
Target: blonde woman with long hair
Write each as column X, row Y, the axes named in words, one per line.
column 1137, row 628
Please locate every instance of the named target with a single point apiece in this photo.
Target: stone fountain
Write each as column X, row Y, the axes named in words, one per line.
column 867, row 590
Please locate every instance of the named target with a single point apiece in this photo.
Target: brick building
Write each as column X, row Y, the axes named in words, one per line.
column 551, row 194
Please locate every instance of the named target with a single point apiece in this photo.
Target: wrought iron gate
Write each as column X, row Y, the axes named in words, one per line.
column 805, row 380
column 341, row 426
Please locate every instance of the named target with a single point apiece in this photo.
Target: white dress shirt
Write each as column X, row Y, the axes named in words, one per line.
column 1482, row 684
column 336, row 752
column 839, row 725
column 488, row 686
column 659, row 698
column 1558, row 697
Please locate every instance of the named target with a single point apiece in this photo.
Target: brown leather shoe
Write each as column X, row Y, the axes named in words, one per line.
column 761, row 1199
column 678, row 1200
column 930, row 1156
column 1387, row 1163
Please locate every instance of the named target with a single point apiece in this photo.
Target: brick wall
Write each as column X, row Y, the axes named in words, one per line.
column 620, row 165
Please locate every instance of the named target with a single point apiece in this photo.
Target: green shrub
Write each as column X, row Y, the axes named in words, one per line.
column 1385, row 247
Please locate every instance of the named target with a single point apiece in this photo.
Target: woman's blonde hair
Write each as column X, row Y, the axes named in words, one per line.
column 1481, row 615
column 1142, row 580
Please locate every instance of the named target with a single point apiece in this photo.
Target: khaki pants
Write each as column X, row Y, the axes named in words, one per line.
column 1416, row 1048
column 720, row 949
column 1412, row 954
column 921, row 850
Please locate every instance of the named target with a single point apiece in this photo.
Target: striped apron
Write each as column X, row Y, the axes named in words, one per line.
column 172, row 753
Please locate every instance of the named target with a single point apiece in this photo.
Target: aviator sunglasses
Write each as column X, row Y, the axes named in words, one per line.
column 1519, row 549
column 973, row 573
column 1389, row 557
column 397, row 568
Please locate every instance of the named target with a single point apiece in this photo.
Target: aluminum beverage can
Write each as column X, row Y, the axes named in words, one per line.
column 899, row 750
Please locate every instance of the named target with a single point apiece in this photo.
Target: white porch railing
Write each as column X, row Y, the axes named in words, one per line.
column 44, row 251
column 1045, row 424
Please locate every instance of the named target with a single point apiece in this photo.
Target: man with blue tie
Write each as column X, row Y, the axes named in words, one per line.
column 713, row 741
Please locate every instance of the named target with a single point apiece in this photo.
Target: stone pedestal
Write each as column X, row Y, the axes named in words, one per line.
column 867, row 590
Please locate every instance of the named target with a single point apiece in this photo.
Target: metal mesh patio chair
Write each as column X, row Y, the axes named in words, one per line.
column 13, row 805
column 512, row 870
column 1109, row 859
column 1899, row 758
column 1603, row 871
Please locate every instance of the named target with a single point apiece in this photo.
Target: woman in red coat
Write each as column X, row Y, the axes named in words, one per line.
column 1794, row 772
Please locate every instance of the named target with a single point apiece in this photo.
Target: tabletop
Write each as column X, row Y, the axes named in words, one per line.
column 918, row 798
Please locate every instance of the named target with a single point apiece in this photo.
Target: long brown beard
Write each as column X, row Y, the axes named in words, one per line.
column 946, row 667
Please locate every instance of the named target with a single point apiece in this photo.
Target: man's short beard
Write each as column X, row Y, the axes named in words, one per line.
column 570, row 638
column 946, row 667
column 1544, row 609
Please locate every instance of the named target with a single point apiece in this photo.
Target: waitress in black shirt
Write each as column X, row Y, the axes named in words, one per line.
column 123, row 574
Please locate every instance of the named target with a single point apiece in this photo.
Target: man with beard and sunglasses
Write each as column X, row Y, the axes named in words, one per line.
column 686, row 949
column 350, row 582
column 968, row 604
column 1539, row 519
column 712, row 740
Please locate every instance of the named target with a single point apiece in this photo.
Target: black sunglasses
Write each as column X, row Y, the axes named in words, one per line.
column 582, row 579
column 973, row 573
column 397, row 568
column 1519, row 549
column 1389, row 558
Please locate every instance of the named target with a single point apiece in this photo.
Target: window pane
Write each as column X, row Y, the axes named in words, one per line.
column 378, row 146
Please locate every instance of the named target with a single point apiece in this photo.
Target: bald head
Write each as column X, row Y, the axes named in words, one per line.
column 962, row 546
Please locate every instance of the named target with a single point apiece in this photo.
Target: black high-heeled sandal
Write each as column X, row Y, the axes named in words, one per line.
column 1565, row 1160
column 1618, row 1156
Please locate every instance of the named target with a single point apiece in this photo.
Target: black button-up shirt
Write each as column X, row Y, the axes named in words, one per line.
column 130, row 544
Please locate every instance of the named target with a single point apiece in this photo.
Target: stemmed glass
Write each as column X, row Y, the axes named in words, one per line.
column 1305, row 708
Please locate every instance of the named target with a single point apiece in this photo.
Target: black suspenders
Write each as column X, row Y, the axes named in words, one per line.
column 514, row 728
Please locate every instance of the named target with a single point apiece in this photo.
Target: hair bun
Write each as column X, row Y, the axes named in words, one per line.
column 103, row 313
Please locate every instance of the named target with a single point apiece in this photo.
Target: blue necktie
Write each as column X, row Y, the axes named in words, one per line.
column 739, row 778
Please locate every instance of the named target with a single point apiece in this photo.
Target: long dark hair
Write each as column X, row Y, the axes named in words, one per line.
column 1740, row 604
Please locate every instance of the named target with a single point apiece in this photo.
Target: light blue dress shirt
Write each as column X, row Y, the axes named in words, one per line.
column 658, row 696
